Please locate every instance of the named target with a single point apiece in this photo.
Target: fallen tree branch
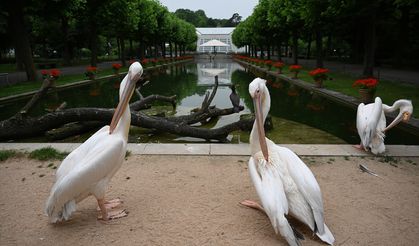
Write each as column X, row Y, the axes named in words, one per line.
column 46, row 85
column 15, row 128
column 143, row 104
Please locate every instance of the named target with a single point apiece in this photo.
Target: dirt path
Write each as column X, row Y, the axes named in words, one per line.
column 187, row 200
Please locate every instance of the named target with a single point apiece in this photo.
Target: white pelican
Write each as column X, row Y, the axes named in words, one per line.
column 371, row 122
column 283, row 182
column 89, row 168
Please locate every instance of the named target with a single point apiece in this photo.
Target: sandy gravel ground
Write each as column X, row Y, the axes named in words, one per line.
column 187, row 200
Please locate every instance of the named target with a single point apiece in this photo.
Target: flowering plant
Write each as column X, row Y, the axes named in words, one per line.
column 295, row 68
column 91, row 71
column 116, row 66
column 44, row 74
column 278, row 64
column 53, row 74
column 368, row 83
column 268, row 63
column 319, row 73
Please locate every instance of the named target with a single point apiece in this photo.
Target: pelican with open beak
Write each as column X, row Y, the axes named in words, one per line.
column 89, row 168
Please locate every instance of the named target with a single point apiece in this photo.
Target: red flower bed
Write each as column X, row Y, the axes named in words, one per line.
column 54, row 73
column 278, row 64
column 116, row 66
column 90, row 71
column 319, row 73
column 368, row 83
column 295, row 68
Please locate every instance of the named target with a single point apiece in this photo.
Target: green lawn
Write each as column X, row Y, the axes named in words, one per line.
column 389, row 91
column 64, row 79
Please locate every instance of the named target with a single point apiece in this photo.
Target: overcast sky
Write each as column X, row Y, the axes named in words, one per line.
column 218, row 9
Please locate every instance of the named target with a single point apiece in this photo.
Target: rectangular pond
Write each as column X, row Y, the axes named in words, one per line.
column 298, row 115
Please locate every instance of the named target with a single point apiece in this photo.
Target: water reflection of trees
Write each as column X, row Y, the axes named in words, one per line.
column 181, row 81
column 296, row 104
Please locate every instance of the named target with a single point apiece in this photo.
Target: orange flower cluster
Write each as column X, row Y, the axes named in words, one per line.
column 295, row 68
column 368, row 83
column 54, row 73
column 116, row 66
column 319, row 73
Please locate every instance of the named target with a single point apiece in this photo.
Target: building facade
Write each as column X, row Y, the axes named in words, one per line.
column 222, row 34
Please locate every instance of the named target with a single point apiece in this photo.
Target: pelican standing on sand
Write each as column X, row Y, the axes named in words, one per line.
column 371, row 122
column 285, row 185
column 89, row 168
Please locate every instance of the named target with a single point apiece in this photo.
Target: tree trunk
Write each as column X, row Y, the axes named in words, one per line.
column 308, row 54
column 329, row 46
column 171, row 49
column 66, row 53
column 21, row 39
column 295, row 48
column 369, row 52
column 175, row 49
column 278, row 47
column 403, row 40
column 268, row 50
column 131, row 50
column 123, row 60
column 93, row 44
column 319, row 48
column 142, row 50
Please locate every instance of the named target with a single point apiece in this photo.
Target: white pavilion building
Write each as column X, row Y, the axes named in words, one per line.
column 222, row 34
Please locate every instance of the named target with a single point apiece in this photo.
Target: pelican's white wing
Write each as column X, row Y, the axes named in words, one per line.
column 367, row 120
column 90, row 176
column 76, row 156
column 269, row 187
column 306, row 184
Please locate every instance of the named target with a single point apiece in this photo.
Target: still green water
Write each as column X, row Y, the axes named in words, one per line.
column 298, row 116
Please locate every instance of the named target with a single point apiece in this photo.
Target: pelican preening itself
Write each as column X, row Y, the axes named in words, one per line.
column 89, row 168
column 371, row 122
column 285, row 185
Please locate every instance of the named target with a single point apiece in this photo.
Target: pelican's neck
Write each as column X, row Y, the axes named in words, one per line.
column 396, row 105
column 254, row 135
column 125, row 121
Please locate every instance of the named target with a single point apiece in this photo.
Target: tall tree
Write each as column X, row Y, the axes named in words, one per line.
column 19, row 32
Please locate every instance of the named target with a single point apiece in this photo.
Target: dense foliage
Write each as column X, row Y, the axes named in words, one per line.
column 376, row 32
column 73, row 29
column 199, row 19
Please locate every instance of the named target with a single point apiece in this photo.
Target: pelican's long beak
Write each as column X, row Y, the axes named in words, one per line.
column 405, row 116
column 395, row 122
column 123, row 102
column 257, row 101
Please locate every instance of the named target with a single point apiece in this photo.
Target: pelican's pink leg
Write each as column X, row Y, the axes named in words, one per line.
column 108, row 214
column 359, row 146
column 252, row 204
column 111, row 204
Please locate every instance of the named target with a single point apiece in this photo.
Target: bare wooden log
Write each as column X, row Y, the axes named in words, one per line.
column 142, row 104
column 15, row 128
column 73, row 129
column 46, row 85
